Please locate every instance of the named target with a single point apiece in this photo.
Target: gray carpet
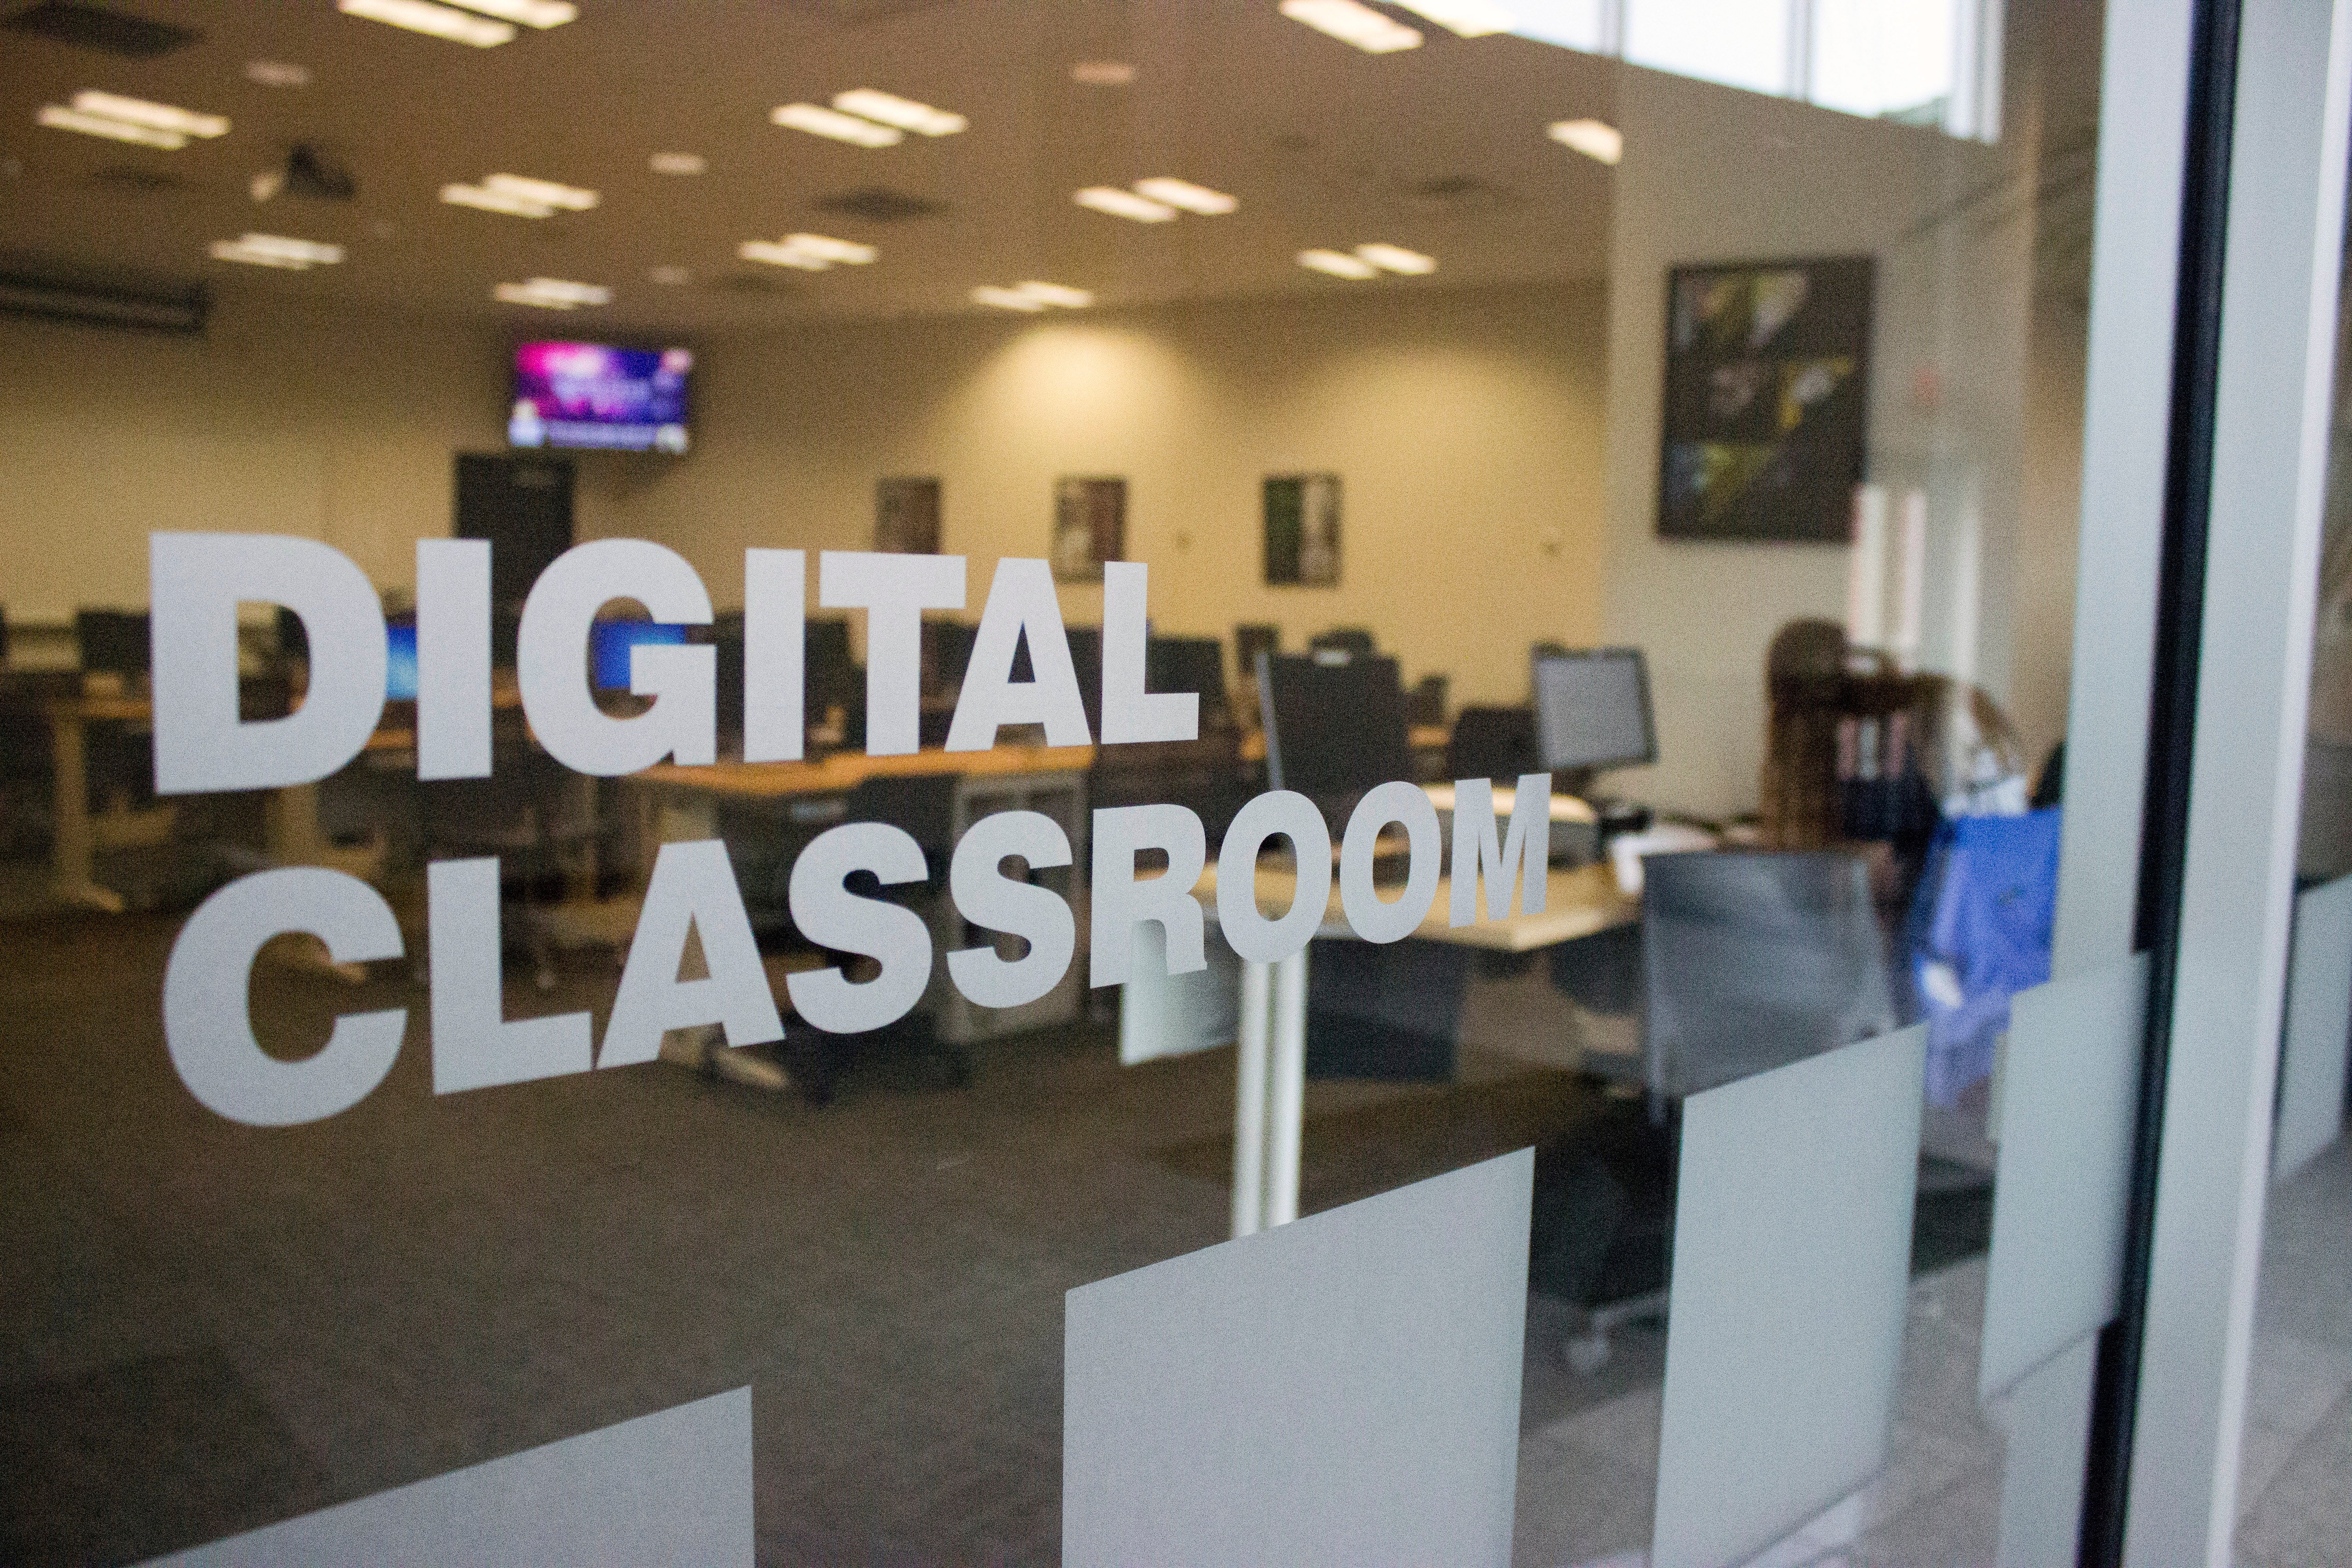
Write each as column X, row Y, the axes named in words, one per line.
column 205, row 1326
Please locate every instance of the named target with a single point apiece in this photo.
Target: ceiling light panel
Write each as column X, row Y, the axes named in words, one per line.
column 1184, row 193
column 1059, row 294
column 490, row 200
column 1351, row 23
column 835, row 126
column 1007, row 299
column 1596, row 139
column 1124, row 203
column 1397, row 258
column 438, row 21
column 1102, row 73
column 888, row 109
column 276, row 73
column 58, row 117
column 529, row 12
column 1465, row 18
column 552, row 294
column 1337, row 264
column 545, row 193
column 808, row 252
column 156, row 116
column 277, row 250
column 677, row 164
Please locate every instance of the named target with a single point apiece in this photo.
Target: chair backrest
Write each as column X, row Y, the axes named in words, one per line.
column 1754, row 959
column 1342, row 639
column 1491, row 743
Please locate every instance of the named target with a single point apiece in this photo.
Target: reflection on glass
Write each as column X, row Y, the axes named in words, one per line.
column 1891, row 58
column 1739, row 43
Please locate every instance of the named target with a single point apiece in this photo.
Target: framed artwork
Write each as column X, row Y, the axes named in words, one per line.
column 1302, row 530
column 906, row 516
column 1090, row 527
column 1767, row 383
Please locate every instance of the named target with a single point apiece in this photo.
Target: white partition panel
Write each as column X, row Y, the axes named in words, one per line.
column 672, row 1488
column 2069, row 1098
column 1344, row 1390
column 2318, row 1027
column 1792, row 1247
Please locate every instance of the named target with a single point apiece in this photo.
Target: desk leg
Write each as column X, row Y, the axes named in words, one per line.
column 1249, row 1104
column 1286, row 1112
column 73, row 850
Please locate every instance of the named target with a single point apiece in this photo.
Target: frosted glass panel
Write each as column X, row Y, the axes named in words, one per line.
column 2069, row 1089
column 2319, row 1019
column 1740, row 43
column 1341, row 1389
column 672, row 1488
column 1882, row 56
column 1792, row 1244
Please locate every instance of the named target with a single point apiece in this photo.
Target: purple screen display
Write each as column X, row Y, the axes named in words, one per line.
column 590, row 394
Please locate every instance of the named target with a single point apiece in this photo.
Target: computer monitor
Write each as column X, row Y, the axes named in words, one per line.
column 1341, row 639
column 1086, row 661
column 947, row 650
column 113, row 642
column 831, row 675
column 1592, row 710
column 1335, row 725
column 1189, row 664
column 400, row 664
column 610, row 643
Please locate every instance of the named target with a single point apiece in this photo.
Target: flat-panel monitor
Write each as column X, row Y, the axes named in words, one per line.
column 598, row 396
column 1086, row 662
column 1335, row 725
column 611, row 643
column 112, row 642
column 1592, row 709
column 1189, row 663
column 829, row 673
column 400, row 662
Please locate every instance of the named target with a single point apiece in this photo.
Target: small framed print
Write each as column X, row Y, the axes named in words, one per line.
column 1089, row 526
column 906, row 516
column 1302, row 530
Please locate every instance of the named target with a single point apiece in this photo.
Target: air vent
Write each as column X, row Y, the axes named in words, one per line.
column 127, row 180
column 96, row 27
column 876, row 204
column 1458, row 193
column 61, row 299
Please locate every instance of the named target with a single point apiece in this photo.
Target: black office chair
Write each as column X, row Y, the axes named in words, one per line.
column 536, row 816
column 1425, row 704
column 1491, row 743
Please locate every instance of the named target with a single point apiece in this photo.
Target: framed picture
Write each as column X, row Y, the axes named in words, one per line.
column 1302, row 530
column 1090, row 527
column 906, row 516
column 1768, row 383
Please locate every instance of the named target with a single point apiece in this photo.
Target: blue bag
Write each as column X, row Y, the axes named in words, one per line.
column 1978, row 935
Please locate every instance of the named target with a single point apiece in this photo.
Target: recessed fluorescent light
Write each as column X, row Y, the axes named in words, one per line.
column 1184, row 193
column 1596, row 139
column 553, row 293
column 490, row 201
column 1354, row 24
column 1007, row 299
column 58, row 117
column 1397, row 258
column 440, row 21
column 1102, row 73
column 833, row 124
column 905, row 113
column 276, row 73
column 670, row 276
column 277, row 250
column 809, row 252
column 1124, row 203
column 544, row 193
column 529, row 12
column 1337, row 263
column 1465, row 18
column 157, row 116
column 677, row 164
column 1068, row 298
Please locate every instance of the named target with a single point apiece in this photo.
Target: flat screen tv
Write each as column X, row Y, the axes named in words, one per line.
column 594, row 394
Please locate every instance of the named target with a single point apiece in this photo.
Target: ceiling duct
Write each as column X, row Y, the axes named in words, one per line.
column 140, row 308
column 109, row 32
column 876, row 204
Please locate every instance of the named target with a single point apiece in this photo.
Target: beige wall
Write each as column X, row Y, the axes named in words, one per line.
column 1467, row 427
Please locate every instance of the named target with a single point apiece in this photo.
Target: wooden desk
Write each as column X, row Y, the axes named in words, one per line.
column 1270, row 1090
column 847, row 769
column 1421, row 738
column 75, row 840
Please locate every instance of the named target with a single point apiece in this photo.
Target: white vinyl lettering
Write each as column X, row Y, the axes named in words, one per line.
column 1130, row 713
column 1021, row 604
column 1514, row 864
column 1277, row 813
column 474, row 1044
column 452, row 659
column 1122, row 902
column 692, row 890
column 993, row 902
column 209, row 1032
column 554, row 667
column 1370, row 916
column 775, row 631
column 894, row 590
column 832, row 917
column 196, row 582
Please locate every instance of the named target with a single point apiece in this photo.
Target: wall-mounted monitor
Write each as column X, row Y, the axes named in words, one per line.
column 597, row 395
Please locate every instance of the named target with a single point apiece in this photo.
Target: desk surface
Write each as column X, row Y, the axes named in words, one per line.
column 1577, row 902
column 1420, row 737
column 846, row 770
